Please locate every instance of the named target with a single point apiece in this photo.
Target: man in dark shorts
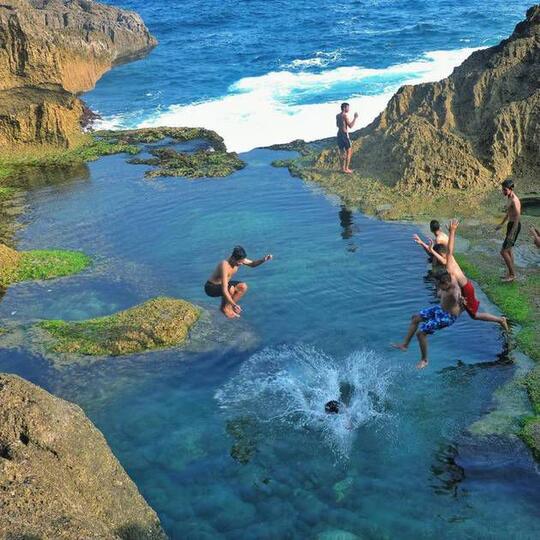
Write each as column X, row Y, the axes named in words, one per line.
column 343, row 141
column 221, row 285
column 513, row 216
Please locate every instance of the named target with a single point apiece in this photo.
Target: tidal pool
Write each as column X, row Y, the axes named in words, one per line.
column 341, row 287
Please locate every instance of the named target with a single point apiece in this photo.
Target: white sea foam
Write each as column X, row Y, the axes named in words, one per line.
column 289, row 386
column 319, row 59
column 260, row 111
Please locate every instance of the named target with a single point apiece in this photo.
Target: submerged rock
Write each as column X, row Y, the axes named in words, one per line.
column 58, row 477
column 158, row 323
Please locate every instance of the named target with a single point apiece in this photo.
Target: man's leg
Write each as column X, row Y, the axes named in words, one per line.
column 506, row 254
column 422, row 341
column 238, row 291
column 349, row 155
column 415, row 321
column 343, row 158
column 488, row 317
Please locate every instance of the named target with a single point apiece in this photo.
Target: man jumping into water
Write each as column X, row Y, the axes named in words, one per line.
column 220, row 283
column 513, row 215
column 435, row 317
column 467, row 289
column 343, row 141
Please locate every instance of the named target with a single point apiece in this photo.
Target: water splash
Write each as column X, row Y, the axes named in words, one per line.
column 289, row 386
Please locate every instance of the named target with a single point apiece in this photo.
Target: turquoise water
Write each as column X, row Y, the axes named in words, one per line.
column 341, row 287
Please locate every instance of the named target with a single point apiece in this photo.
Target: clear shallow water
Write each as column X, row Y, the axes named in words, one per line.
column 264, row 72
column 340, row 284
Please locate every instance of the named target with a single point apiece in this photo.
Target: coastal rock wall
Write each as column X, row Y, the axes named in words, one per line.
column 58, row 477
column 474, row 128
column 52, row 49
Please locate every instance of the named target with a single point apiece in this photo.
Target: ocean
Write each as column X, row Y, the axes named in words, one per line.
column 261, row 72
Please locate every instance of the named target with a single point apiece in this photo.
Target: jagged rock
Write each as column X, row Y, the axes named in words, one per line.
column 51, row 50
column 58, row 477
column 472, row 129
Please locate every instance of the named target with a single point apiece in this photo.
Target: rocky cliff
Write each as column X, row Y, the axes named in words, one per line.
column 51, row 50
column 58, row 477
column 472, row 129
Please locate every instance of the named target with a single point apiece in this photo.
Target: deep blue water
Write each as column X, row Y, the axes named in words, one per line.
column 289, row 63
column 405, row 462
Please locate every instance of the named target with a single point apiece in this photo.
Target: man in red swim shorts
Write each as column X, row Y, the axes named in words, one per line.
column 467, row 289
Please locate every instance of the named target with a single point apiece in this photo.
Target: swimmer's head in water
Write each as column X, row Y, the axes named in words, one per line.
column 238, row 254
column 344, row 107
column 434, row 226
column 331, row 407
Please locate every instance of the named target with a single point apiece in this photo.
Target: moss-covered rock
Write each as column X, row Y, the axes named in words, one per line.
column 158, row 323
column 531, row 435
column 200, row 164
column 153, row 135
column 39, row 264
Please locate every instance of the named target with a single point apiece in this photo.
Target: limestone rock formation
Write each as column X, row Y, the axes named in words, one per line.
column 52, row 49
column 476, row 127
column 58, row 477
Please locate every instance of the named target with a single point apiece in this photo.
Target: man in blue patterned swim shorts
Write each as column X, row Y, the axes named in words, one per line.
column 433, row 318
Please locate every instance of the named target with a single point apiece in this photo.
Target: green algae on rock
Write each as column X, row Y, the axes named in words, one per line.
column 39, row 264
column 200, row 164
column 158, row 323
column 152, row 135
column 58, row 477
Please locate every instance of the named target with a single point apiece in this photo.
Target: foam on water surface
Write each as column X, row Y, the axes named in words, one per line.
column 290, row 385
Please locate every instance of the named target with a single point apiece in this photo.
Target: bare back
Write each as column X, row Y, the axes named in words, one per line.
column 342, row 122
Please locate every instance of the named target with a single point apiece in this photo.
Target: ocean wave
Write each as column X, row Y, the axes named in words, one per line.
column 284, row 105
column 319, row 59
column 287, row 387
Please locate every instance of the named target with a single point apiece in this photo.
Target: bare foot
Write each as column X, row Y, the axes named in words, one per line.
column 504, row 324
column 229, row 312
column 422, row 364
column 508, row 279
column 349, row 171
column 399, row 346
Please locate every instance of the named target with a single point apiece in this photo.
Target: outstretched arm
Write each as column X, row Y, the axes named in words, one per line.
column 438, row 256
column 452, row 228
column 421, row 243
column 258, row 262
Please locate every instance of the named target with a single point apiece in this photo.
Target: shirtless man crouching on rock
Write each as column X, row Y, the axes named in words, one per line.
column 220, row 283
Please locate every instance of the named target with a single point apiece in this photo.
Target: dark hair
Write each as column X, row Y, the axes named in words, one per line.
column 343, row 105
column 238, row 253
column 434, row 225
column 508, row 184
column 440, row 249
column 332, row 407
column 444, row 277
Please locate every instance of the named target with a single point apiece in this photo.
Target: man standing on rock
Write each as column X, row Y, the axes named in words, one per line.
column 343, row 141
column 513, row 216
column 220, row 283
